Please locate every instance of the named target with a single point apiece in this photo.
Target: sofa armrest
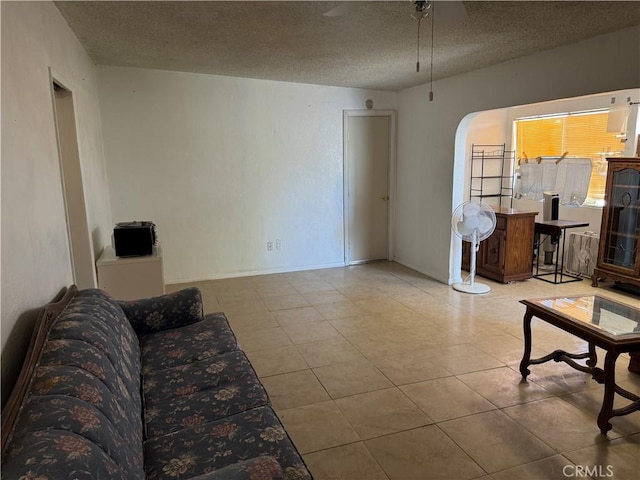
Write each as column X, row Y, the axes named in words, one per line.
column 172, row 310
column 262, row 468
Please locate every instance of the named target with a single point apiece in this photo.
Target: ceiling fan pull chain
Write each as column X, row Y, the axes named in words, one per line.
column 418, row 56
column 433, row 14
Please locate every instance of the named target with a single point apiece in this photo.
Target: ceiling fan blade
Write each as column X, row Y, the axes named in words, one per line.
column 343, row 9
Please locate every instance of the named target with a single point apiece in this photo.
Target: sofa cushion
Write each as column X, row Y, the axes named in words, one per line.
column 202, row 449
column 260, row 468
column 85, row 422
column 51, row 382
column 96, row 319
column 92, row 370
column 193, row 377
column 59, row 455
column 179, row 346
column 172, row 310
column 183, row 411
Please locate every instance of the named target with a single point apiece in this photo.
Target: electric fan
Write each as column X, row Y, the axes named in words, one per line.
column 473, row 222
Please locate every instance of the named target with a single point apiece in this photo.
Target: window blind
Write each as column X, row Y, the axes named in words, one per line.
column 581, row 135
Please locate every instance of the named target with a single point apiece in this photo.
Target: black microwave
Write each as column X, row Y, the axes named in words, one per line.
column 134, row 239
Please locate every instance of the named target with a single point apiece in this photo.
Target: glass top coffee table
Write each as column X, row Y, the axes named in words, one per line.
column 602, row 322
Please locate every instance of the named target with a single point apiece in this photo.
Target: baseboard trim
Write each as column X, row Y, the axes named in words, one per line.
column 420, row 270
column 250, row 273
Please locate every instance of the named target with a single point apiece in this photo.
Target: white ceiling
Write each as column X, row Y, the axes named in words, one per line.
column 371, row 45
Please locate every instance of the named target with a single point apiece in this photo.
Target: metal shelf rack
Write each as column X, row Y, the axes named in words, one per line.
column 492, row 174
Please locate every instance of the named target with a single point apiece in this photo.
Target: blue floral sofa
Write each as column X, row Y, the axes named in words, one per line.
column 150, row 389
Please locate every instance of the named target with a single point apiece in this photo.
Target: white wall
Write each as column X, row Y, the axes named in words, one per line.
column 222, row 165
column 428, row 162
column 35, row 252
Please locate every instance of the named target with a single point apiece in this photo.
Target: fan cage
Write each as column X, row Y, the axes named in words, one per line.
column 480, row 211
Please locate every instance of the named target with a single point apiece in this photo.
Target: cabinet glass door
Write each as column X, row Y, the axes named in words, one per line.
column 623, row 225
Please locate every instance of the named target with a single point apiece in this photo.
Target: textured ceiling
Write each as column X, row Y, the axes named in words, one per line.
column 370, row 45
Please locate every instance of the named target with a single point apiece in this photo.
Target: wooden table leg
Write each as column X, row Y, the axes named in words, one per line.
column 609, row 391
column 526, row 357
column 634, row 363
column 593, row 358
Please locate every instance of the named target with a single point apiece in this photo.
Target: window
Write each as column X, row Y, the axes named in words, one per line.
column 580, row 134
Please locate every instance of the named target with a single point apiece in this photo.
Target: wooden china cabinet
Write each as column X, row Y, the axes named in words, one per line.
column 618, row 253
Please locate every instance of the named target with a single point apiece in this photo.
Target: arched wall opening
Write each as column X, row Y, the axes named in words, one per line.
column 496, row 127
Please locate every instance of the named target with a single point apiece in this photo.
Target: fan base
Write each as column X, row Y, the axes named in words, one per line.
column 475, row 288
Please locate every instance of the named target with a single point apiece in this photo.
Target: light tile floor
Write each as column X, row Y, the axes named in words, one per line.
column 379, row 372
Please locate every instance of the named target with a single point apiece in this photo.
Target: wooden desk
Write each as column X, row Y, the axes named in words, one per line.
column 555, row 229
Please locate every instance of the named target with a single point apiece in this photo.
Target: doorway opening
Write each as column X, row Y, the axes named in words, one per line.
column 80, row 246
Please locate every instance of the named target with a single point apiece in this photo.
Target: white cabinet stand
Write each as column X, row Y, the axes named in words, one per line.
column 128, row 278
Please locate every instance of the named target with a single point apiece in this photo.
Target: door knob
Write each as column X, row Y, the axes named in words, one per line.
column 385, row 198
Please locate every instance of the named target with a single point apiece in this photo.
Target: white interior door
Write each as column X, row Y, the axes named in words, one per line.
column 368, row 159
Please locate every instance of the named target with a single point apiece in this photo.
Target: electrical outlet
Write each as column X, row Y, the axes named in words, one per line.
column 269, row 246
column 278, row 244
